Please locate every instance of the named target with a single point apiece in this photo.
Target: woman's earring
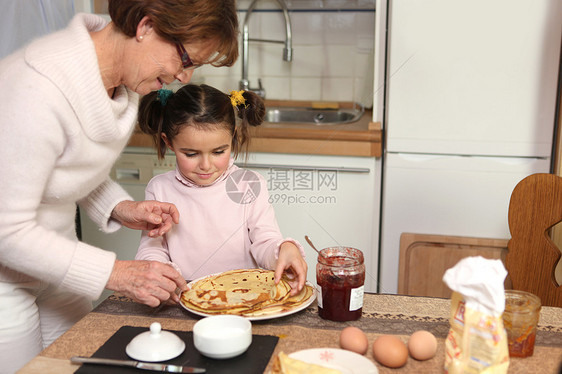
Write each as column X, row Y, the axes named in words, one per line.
column 141, row 37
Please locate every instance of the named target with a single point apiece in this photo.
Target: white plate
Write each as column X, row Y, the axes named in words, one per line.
column 303, row 306
column 345, row 361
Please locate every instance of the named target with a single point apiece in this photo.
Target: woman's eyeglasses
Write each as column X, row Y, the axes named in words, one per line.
column 186, row 62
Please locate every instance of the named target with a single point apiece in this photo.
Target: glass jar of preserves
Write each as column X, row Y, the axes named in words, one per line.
column 340, row 275
column 520, row 319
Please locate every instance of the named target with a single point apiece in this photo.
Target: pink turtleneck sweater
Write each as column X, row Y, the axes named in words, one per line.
column 227, row 225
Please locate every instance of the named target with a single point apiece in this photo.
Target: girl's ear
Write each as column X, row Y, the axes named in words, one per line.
column 167, row 141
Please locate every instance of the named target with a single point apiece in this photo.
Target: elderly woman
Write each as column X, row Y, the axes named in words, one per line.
column 68, row 105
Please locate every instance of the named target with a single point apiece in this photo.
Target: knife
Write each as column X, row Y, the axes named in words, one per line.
column 136, row 364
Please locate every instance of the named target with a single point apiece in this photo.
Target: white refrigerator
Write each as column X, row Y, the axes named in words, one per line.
column 468, row 101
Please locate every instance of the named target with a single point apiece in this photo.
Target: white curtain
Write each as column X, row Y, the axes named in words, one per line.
column 23, row 20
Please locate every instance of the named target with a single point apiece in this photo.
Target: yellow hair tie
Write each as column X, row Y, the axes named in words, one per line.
column 236, row 98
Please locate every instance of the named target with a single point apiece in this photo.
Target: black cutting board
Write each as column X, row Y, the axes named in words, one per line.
column 254, row 360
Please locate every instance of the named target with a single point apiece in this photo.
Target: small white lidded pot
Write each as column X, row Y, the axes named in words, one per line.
column 155, row 345
column 223, row 336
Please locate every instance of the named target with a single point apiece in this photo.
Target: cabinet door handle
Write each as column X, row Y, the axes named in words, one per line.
column 340, row 169
column 127, row 174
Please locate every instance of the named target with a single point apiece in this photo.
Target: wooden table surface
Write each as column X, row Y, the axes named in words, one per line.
column 382, row 314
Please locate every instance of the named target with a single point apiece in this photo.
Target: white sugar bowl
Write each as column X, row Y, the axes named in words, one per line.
column 222, row 336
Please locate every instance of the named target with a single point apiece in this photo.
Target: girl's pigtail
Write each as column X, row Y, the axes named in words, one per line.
column 251, row 111
column 152, row 109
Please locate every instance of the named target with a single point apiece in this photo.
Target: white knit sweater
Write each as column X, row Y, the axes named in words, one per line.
column 60, row 135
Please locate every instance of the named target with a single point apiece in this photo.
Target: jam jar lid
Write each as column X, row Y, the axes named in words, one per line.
column 340, row 256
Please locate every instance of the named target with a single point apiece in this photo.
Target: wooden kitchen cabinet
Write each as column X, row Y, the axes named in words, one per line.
column 358, row 139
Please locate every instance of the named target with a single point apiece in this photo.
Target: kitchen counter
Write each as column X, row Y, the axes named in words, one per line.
column 360, row 138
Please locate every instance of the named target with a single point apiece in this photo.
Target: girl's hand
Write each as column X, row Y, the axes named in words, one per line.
column 293, row 264
column 147, row 282
column 154, row 216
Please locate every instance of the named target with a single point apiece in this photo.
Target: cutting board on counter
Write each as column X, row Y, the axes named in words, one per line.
column 425, row 258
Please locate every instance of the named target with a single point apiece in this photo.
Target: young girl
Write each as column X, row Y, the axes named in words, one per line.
column 226, row 221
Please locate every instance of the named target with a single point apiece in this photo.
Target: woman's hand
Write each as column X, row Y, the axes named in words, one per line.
column 147, row 282
column 154, row 216
column 293, row 264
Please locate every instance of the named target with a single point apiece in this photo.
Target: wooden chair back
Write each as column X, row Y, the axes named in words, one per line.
column 534, row 208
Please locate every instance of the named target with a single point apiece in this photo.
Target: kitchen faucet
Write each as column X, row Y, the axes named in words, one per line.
column 287, row 50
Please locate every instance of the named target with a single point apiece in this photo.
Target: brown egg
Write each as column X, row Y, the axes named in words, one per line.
column 354, row 339
column 422, row 345
column 390, row 351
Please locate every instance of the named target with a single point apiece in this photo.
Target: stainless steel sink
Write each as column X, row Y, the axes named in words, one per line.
column 287, row 114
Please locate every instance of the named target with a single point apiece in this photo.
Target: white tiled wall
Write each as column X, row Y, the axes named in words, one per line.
column 332, row 52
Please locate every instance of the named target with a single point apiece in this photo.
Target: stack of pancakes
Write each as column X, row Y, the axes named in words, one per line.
column 244, row 292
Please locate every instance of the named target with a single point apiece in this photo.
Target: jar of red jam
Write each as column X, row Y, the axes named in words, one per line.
column 340, row 278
